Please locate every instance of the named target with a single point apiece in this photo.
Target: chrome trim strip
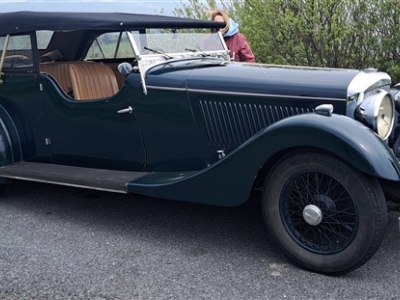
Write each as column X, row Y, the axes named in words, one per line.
column 64, row 184
column 243, row 94
column 132, row 42
column 137, row 53
column 3, row 55
column 149, row 61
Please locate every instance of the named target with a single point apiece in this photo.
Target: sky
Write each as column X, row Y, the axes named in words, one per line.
column 131, row 6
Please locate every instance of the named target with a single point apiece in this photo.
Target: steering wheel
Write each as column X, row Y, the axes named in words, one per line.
column 17, row 59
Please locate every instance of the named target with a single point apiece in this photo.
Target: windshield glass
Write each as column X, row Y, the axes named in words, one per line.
column 161, row 46
column 165, row 41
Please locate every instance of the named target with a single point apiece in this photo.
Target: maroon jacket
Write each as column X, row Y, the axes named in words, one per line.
column 240, row 48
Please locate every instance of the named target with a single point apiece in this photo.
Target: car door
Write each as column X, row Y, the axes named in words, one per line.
column 94, row 133
column 95, row 125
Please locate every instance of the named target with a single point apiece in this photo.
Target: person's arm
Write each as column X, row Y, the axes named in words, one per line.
column 246, row 55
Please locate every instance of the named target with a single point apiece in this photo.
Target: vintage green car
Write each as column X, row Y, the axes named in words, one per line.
column 152, row 105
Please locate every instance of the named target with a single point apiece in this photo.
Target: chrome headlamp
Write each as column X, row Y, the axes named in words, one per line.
column 377, row 112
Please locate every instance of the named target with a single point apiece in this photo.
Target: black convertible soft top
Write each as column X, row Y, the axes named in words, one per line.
column 24, row 21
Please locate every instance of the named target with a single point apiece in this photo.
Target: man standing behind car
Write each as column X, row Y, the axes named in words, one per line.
column 235, row 41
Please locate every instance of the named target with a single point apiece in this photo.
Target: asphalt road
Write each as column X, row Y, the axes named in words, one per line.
column 67, row 243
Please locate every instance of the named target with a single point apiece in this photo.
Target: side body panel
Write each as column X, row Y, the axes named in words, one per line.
column 55, row 129
column 22, row 99
column 166, row 121
column 228, row 182
column 245, row 99
column 93, row 134
column 196, row 109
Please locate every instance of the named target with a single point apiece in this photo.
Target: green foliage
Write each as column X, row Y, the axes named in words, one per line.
column 200, row 9
column 325, row 33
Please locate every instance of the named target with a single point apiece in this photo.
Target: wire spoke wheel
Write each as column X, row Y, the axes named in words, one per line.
column 325, row 215
column 318, row 212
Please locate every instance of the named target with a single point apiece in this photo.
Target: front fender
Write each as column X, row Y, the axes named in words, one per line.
column 229, row 181
column 352, row 141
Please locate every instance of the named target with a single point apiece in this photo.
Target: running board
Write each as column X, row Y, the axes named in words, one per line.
column 97, row 179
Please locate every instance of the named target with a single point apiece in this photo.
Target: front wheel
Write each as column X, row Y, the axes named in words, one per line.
column 325, row 215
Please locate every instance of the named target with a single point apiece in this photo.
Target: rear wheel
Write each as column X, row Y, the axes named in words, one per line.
column 325, row 215
column 3, row 187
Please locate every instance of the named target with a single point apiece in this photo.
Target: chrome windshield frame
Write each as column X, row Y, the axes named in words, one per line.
column 149, row 60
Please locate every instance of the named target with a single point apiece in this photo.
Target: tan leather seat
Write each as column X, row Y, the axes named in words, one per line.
column 92, row 80
column 120, row 77
column 60, row 72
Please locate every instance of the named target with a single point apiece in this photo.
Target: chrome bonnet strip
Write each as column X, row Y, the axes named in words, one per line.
column 243, row 94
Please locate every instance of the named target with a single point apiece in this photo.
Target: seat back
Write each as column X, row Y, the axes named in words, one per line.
column 92, row 81
column 120, row 77
column 60, row 72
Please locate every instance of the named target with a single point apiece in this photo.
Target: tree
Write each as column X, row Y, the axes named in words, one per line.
column 195, row 9
column 325, row 33
column 387, row 20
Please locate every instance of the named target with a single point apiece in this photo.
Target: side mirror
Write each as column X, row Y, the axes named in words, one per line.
column 125, row 68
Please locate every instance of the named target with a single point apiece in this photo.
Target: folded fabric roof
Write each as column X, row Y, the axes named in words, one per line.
column 24, row 21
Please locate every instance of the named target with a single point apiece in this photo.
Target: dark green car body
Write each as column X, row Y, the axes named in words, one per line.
column 177, row 129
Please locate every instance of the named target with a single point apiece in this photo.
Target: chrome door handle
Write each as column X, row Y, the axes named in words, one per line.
column 127, row 110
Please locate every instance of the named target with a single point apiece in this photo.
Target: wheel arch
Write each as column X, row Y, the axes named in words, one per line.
column 356, row 146
column 268, row 167
column 272, row 161
column 10, row 143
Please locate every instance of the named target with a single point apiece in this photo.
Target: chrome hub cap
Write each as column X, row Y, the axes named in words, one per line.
column 312, row 214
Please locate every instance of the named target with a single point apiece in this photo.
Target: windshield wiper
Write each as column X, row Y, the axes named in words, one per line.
column 166, row 56
column 203, row 54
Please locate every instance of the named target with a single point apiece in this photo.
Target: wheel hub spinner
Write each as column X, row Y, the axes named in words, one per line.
column 312, row 214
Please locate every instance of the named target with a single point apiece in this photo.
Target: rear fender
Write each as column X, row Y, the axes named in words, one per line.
column 229, row 181
column 10, row 148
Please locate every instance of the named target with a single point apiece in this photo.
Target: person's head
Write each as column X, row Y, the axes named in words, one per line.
column 221, row 16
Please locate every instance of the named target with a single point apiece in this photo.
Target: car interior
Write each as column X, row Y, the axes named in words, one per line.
column 83, row 80
column 79, row 77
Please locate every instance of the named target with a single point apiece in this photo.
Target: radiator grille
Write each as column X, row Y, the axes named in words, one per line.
column 231, row 124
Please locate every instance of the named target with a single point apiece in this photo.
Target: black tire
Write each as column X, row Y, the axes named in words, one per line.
column 345, row 212
column 3, row 188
